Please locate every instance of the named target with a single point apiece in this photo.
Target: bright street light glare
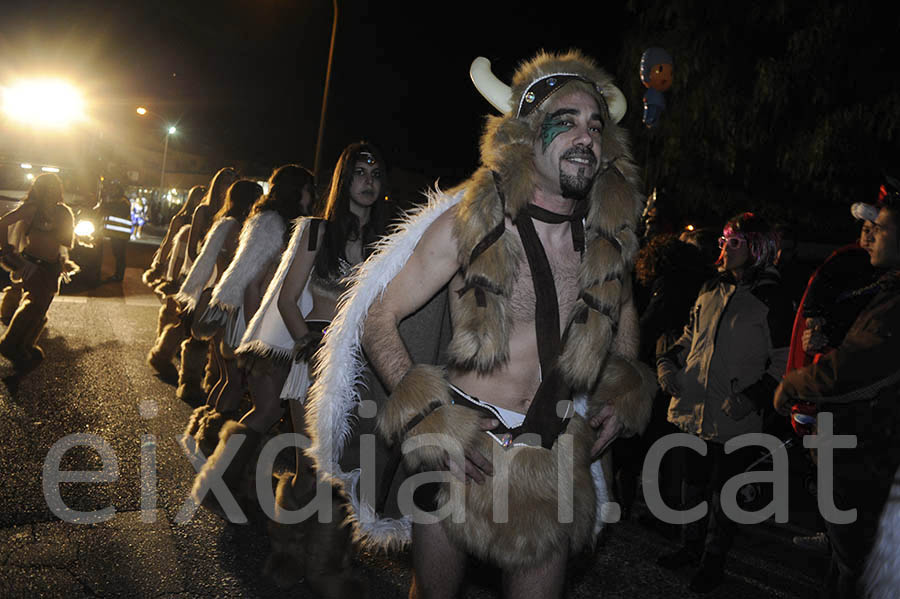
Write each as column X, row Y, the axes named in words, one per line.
column 25, row 165
column 43, row 103
column 141, row 110
column 171, row 130
column 49, row 169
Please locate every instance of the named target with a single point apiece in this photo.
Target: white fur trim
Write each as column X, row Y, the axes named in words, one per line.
column 604, row 509
column 203, row 270
column 882, row 575
column 266, row 334
column 260, row 242
column 339, row 374
column 297, row 382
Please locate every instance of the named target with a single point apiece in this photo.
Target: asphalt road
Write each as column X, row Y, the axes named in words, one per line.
column 94, row 382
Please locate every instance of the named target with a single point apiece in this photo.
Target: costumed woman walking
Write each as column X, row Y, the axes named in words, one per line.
column 195, row 352
column 216, row 254
column 155, row 275
column 173, row 247
column 236, row 296
column 37, row 256
column 298, row 306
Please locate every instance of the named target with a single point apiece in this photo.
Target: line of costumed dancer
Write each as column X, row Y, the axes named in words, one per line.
column 258, row 282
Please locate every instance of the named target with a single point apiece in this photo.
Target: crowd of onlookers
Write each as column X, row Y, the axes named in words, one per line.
column 735, row 353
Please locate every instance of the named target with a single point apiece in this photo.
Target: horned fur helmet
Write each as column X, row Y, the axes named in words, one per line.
column 507, row 143
column 541, row 77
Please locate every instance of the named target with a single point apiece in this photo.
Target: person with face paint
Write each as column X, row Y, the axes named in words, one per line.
column 537, row 249
column 858, row 383
column 721, row 374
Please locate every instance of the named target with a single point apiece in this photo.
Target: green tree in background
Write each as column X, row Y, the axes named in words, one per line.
column 792, row 108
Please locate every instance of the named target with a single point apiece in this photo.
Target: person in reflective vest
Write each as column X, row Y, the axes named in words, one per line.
column 115, row 210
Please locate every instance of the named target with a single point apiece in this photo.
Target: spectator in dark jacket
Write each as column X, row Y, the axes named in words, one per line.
column 859, row 383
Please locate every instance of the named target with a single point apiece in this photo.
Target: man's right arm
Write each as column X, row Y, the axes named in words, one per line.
column 432, row 264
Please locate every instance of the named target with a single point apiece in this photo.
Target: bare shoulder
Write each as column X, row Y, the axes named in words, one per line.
column 439, row 240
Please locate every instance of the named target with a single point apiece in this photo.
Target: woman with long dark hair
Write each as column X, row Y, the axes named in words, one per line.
column 169, row 332
column 288, row 328
column 155, row 275
column 217, row 252
column 236, row 296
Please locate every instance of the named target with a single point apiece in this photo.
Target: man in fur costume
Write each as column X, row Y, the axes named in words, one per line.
column 537, row 247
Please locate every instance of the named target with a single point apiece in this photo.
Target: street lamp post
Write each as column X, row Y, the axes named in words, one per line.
column 170, row 130
column 325, row 92
column 162, row 176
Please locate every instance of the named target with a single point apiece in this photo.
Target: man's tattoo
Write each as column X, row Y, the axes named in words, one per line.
column 550, row 128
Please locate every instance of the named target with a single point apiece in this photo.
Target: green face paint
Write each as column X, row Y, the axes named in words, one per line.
column 550, row 128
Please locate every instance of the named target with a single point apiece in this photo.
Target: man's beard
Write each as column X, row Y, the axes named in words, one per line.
column 576, row 186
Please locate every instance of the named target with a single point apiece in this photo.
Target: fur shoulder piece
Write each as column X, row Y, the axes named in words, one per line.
column 266, row 334
column 336, row 391
column 202, row 269
column 261, row 239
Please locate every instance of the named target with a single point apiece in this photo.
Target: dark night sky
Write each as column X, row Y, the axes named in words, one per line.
column 244, row 78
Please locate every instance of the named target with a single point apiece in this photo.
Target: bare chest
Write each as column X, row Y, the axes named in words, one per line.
column 564, row 264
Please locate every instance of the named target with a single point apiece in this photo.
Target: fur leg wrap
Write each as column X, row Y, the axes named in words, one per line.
column 193, row 367
column 320, row 550
column 630, row 387
column 209, row 428
column 161, row 355
column 166, row 288
column 187, row 439
column 235, row 473
column 286, row 564
column 168, row 314
column 329, row 571
column 211, row 374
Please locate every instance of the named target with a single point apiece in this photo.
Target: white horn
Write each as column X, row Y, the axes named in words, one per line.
column 616, row 101
column 494, row 91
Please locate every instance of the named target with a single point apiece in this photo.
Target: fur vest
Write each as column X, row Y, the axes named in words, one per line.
column 266, row 335
column 203, row 271
column 261, row 240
